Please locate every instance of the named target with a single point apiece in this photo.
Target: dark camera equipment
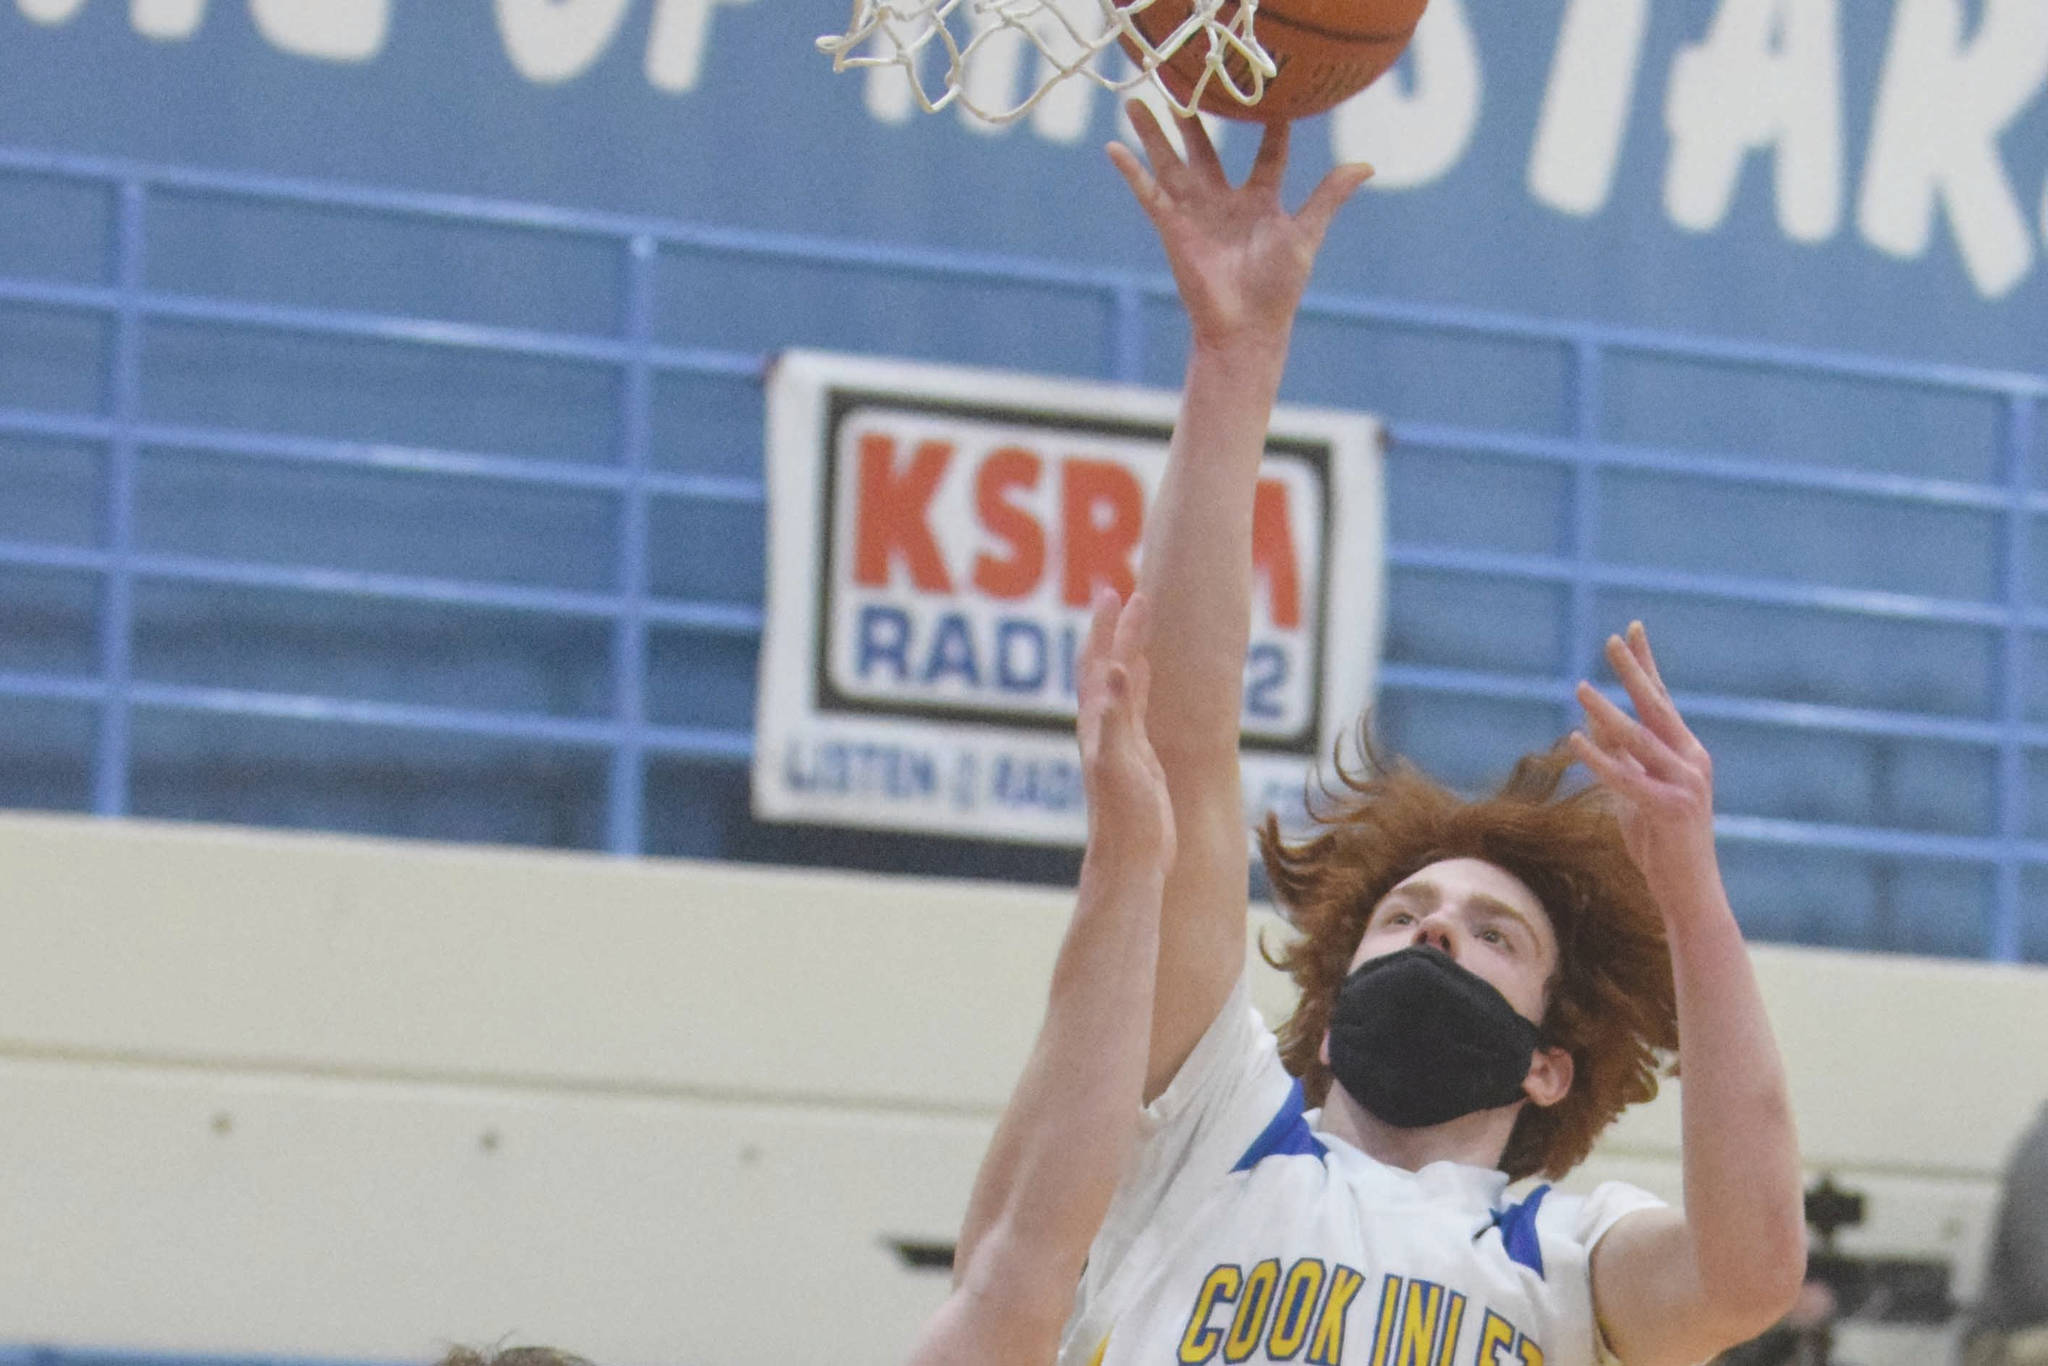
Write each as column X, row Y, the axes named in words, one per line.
column 1872, row 1289
column 1866, row 1289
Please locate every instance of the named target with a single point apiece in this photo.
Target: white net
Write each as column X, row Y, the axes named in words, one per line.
column 980, row 43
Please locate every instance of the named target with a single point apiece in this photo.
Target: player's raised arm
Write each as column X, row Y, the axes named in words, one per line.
column 1069, row 1128
column 1676, row 1288
column 1240, row 261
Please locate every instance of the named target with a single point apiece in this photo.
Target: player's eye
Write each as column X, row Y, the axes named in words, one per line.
column 1492, row 936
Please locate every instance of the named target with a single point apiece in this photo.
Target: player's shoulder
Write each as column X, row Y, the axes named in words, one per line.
column 1580, row 1218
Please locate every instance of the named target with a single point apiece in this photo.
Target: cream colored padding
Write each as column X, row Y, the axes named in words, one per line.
column 285, row 1094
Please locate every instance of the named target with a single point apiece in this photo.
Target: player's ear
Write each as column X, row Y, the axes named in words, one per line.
column 1549, row 1079
column 1323, row 1053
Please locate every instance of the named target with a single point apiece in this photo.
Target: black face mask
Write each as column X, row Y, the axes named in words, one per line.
column 1418, row 1040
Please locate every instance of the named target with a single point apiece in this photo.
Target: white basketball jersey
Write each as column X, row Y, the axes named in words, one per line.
column 1242, row 1234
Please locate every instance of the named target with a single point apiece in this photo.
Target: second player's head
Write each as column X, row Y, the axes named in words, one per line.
column 1531, row 895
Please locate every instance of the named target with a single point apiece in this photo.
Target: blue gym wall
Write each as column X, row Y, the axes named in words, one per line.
column 379, row 437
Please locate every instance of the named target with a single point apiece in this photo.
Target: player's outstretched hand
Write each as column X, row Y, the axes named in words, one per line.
column 1240, row 259
column 1130, row 815
column 1655, row 765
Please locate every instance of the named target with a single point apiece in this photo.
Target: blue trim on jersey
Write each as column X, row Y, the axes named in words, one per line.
column 1287, row 1134
column 1517, row 1224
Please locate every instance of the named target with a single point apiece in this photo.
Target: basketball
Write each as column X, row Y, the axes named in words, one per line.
column 1326, row 52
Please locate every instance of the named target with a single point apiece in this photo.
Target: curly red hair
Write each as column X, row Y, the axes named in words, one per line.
column 1611, row 1002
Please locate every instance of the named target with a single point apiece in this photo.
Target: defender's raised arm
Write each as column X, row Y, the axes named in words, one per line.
column 1240, row 261
column 1072, row 1121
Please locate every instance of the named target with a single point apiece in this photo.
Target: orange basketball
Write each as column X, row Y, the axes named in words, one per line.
column 1326, row 50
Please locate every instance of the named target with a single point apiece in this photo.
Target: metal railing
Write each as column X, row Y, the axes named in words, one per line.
column 81, row 1356
column 627, row 739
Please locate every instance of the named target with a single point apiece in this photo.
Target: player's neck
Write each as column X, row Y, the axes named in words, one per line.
column 1476, row 1140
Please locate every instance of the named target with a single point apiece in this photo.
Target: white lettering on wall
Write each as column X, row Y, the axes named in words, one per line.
column 332, row 30
column 886, row 92
column 993, row 78
column 329, row 30
column 1768, row 75
column 1064, row 32
column 1002, row 62
column 1064, row 112
column 1958, row 76
column 1586, row 104
column 675, row 44
column 1414, row 131
column 1941, row 105
column 49, row 11
column 557, row 40
column 166, row 20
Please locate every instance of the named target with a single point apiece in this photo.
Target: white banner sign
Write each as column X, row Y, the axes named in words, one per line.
column 935, row 535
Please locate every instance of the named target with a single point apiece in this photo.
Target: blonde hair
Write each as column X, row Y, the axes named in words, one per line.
column 511, row 1356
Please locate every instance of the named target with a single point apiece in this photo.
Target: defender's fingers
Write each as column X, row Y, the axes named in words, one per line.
column 1271, row 163
column 1331, row 194
column 1140, row 669
column 1110, row 712
column 1133, row 628
column 1104, row 713
column 1103, row 612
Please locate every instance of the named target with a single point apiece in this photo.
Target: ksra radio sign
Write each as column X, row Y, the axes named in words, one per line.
column 935, row 537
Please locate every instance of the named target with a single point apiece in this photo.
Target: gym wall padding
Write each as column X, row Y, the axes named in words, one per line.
column 288, row 1094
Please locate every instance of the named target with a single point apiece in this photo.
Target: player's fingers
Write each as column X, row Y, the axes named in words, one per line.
column 1331, row 194
column 1201, row 148
column 1604, row 722
column 1270, row 166
column 1619, row 770
column 1611, row 770
column 1639, row 646
column 1619, row 733
column 1158, row 149
column 1653, row 704
column 1143, row 187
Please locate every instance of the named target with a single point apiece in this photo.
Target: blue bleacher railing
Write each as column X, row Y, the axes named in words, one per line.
column 79, row 1356
column 630, row 605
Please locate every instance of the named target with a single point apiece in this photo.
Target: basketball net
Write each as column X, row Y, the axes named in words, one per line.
column 1073, row 39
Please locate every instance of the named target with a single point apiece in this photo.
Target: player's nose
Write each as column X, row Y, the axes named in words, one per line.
column 1434, row 934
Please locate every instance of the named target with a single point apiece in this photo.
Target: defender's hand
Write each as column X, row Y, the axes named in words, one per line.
column 1655, row 765
column 1130, row 814
column 1239, row 258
